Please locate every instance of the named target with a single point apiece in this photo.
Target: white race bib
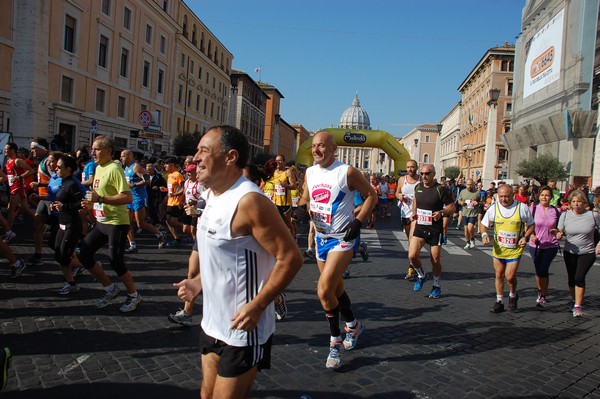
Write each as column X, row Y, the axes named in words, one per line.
column 424, row 217
column 279, row 190
column 321, row 216
column 507, row 239
column 99, row 212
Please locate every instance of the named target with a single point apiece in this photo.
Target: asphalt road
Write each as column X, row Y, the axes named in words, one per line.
column 413, row 346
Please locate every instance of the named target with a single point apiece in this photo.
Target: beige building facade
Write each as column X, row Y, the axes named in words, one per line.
column 421, row 143
column 447, row 145
column 91, row 67
column 248, row 103
column 486, row 104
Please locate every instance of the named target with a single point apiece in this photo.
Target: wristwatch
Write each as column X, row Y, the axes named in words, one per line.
column 100, row 200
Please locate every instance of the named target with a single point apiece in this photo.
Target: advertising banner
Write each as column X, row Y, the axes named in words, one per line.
column 543, row 56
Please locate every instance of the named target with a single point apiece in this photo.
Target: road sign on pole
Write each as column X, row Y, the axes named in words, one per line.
column 145, row 118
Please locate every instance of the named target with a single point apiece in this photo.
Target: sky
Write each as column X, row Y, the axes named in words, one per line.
column 404, row 58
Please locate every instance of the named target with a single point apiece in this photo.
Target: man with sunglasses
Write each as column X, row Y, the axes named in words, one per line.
column 431, row 203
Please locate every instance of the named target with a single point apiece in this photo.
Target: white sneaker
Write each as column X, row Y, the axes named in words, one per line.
column 131, row 303
column 467, row 245
column 107, row 297
column 8, row 237
column 68, row 289
column 334, row 360
column 471, row 244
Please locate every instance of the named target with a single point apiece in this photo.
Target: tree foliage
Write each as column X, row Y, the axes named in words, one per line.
column 542, row 168
column 185, row 144
column 452, row 172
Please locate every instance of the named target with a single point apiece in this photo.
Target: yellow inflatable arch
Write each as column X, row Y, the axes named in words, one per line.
column 360, row 138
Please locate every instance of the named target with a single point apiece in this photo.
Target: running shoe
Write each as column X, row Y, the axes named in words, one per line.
column 498, row 307
column 34, row 260
column 138, row 231
column 352, row 335
column 467, row 246
column 5, row 357
column 9, row 236
column 107, row 297
column 346, row 274
column 436, row 291
column 281, row 307
column 334, row 360
column 68, row 289
column 541, row 302
column 161, row 239
column 17, row 268
column 513, row 302
column 180, row 317
column 472, row 244
column 173, row 244
column 131, row 303
column 577, row 311
column 445, row 239
column 131, row 250
column 411, row 274
column 420, row 281
column 310, row 252
column 365, row 252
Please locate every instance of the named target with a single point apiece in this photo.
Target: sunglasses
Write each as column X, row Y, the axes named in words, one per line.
column 425, row 173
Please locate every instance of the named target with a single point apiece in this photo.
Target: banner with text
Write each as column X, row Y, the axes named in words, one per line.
column 543, row 50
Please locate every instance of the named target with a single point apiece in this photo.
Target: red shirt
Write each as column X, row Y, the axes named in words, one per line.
column 521, row 198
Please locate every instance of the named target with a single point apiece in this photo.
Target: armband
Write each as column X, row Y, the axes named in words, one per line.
column 484, row 235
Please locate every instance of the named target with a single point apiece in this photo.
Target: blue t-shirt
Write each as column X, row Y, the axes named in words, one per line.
column 54, row 185
column 358, row 200
column 133, row 178
column 88, row 170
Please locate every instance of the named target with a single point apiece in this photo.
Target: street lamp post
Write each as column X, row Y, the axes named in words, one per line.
column 416, row 157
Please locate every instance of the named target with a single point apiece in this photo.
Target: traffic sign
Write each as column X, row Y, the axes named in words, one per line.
column 94, row 126
column 145, row 118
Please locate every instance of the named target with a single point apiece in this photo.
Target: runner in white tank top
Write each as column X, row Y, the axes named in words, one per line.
column 246, row 256
column 329, row 189
column 406, row 196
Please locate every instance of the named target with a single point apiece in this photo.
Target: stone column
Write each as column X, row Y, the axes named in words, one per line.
column 489, row 158
column 29, row 108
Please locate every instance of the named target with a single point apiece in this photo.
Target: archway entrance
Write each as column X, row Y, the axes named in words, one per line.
column 360, row 138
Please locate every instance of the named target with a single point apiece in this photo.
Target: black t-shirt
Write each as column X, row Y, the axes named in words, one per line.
column 70, row 195
column 431, row 200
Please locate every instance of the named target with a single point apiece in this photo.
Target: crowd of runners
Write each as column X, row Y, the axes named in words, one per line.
column 242, row 220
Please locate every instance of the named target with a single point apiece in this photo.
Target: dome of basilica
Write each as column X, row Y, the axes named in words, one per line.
column 355, row 117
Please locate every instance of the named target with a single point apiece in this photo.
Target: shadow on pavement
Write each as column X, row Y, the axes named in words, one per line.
column 103, row 390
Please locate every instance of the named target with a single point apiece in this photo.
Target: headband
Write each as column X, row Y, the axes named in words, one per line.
column 37, row 145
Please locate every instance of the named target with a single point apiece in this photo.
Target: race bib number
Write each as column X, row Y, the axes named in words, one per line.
column 469, row 204
column 99, row 212
column 321, row 215
column 407, row 204
column 424, row 217
column 507, row 239
column 269, row 196
column 170, row 188
column 279, row 190
column 295, row 201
